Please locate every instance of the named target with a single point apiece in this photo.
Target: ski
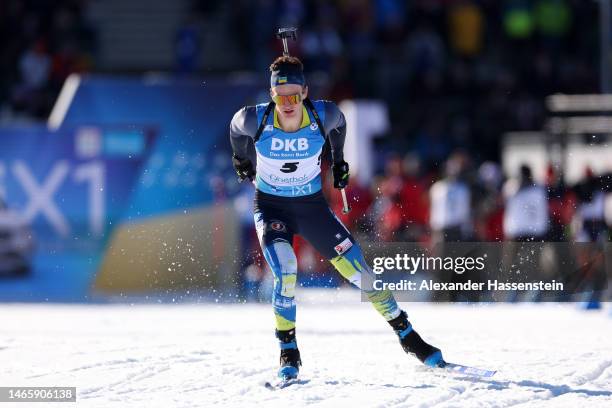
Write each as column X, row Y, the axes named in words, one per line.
column 467, row 370
column 281, row 383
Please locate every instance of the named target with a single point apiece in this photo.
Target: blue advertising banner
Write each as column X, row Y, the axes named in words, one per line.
column 192, row 116
column 62, row 194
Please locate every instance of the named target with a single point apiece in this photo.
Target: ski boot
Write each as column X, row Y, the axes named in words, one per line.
column 413, row 344
column 290, row 361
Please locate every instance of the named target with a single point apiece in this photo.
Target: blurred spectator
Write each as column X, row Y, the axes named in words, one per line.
column 35, row 71
column 591, row 227
column 526, row 214
column 450, row 215
column 401, row 211
column 560, row 205
column 389, row 220
column 526, row 224
column 590, row 192
column 415, row 200
column 35, row 67
column 488, row 204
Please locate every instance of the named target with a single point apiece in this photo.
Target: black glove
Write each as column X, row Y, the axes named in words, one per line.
column 244, row 168
column 341, row 174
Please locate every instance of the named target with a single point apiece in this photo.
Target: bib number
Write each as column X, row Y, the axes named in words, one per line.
column 289, row 167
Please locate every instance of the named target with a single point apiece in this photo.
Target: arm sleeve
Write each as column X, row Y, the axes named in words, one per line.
column 335, row 128
column 242, row 130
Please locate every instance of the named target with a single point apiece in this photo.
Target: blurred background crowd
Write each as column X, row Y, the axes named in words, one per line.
column 465, row 202
column 41, row 43
column 454, row 73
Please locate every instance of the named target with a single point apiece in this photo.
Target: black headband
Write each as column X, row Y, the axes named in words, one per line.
column 287, row 74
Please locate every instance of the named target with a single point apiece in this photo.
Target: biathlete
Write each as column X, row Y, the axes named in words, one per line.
column 278, row 145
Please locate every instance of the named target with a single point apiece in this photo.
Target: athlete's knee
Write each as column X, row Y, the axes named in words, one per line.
column 351, row 265
column 283, row 262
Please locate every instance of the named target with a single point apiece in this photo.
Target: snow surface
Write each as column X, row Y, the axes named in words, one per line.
column 200, row 355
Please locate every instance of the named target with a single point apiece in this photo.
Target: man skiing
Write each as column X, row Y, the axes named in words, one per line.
column 278, row 146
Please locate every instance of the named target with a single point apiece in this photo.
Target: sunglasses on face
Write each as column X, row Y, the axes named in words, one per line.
column 284, row 100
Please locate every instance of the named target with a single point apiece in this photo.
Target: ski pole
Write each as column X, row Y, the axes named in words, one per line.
column 345, row 205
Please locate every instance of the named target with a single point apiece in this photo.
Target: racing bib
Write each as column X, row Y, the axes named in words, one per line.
column 289, row 163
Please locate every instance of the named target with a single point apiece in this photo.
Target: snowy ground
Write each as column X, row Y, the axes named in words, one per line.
column 201, row 355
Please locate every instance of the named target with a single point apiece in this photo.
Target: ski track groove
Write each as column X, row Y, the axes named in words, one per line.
column 148, row 372
column 594, row 374
column 542, row 390
column 115, row 364
column 450, row 394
